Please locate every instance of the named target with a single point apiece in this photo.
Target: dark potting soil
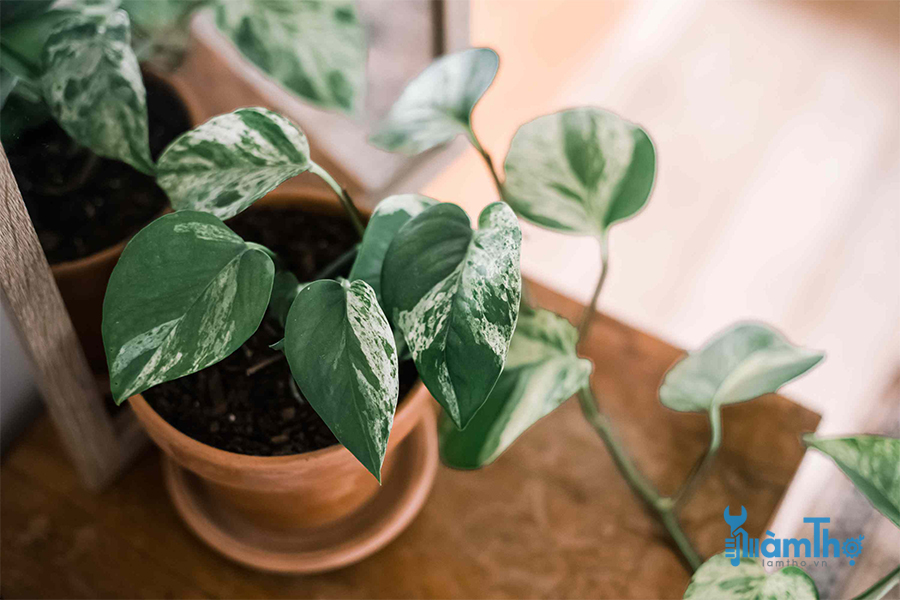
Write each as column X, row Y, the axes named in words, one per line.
column 81, row 203
column 263, row 413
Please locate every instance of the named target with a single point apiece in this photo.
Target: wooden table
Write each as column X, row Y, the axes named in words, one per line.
column 551, row 518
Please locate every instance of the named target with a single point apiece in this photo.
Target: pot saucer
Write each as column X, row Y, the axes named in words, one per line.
column 324, row 548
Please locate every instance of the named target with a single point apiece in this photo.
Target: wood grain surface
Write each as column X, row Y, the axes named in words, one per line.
column 550, row 519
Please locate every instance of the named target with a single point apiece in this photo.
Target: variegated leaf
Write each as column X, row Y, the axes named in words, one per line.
column 93, row 87
column 186, row 292
column 542, row 371
column 579, row 171
column 739, row 364
column 387, row 219
column 454, row 293
column 744, row 361
column 231, row 161
column 718, row 579
column 315, row 49
column 872, row 463
column 341, row 351
column 437, row 105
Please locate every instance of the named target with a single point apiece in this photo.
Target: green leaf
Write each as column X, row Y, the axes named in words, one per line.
column 231, row 161
column 7, row 84
column 186, row 292
column 872, row 463
column 341, row 351
column 718, row 579
column 92, row 84
column 744, row 361
column 17, row 11
column 454, row 293
column 315, row 49
column 437, row 105
column 579, row 171
column 387, row 219
column 542, row 371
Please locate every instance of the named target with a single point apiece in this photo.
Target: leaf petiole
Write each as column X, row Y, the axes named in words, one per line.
column 698, row 474
column 343, row 196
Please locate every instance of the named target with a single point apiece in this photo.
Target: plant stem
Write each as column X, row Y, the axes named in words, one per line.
column 882, row 586
column 344, row 197
column 487, row 159
column 702, row 468
column 664, row 507
column 588, row 314
column 271, row 360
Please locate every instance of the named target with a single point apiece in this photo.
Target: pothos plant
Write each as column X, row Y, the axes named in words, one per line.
column 579, row 172
column 75, row 62
column 188, row 291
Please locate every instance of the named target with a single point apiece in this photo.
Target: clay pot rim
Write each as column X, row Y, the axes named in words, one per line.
column 407, row 410
column 191, row 107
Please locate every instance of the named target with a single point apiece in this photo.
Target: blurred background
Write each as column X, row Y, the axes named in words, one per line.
column 777, row 127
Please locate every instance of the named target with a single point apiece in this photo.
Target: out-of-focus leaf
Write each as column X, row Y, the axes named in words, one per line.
column 872, row 463
column 92, row 84
column 542, row 371
column 579, row 171
column 437, row 105
column 315, row 49
column 718, row 579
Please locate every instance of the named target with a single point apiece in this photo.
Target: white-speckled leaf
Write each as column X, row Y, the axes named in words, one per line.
column 579, row 171
column 744, row 361
column 316, row 49
column 186, row 292
column 454, row 293
column 387, row 219
column 718, row 579
column 231, row 161
column 437, row 105
column 93, row 87
column 542, row 371
column 341, row 351
column 872, row 463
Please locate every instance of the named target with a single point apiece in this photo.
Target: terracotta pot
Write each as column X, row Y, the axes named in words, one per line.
column 306, row 512
column 82, row 282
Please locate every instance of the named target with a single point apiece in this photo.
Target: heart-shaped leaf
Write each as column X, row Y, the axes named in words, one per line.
column 341, row 351
column 744, row 361
column 315, row 49
column 542, row 371
column 741, row 363
column 186, row 292
column 93, row 87
column 231, row 161
column 284, row 291
column 387, row 219
column 579, row 171
column 872, row 463
column 454, row 293
column 718, row 579
column 437, row 105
